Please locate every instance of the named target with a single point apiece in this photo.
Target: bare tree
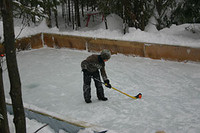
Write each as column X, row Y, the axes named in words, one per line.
column 69, row 11
column 77, row 13
column 55, row 12
column 13, row 72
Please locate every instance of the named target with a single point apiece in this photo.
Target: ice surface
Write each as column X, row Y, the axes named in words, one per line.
column 52, row 80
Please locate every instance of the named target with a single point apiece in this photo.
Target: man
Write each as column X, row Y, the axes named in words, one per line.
column 90, row 68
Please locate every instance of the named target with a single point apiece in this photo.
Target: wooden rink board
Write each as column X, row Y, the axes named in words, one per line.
column 141, row 49
column 56, row 122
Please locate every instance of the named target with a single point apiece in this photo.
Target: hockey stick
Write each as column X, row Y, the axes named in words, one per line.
column 133, row 97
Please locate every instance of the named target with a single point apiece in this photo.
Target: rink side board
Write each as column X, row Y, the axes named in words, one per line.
column 54, row 122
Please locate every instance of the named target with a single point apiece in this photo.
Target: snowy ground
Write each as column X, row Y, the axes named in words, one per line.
column 180, row 35
column 52, row 80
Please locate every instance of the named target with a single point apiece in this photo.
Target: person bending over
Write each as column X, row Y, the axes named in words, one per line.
column 91, row 67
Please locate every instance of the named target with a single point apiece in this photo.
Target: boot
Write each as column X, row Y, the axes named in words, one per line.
column 88, row 101
column 103, row 98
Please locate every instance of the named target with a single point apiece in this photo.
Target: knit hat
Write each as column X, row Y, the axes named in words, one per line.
column 105, row 54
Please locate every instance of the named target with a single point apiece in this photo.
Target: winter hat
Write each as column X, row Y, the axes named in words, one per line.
column 105, row 54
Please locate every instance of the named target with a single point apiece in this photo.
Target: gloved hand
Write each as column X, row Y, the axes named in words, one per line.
column 107, row 83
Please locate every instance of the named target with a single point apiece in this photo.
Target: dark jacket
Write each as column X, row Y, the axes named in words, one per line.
column 94, row 63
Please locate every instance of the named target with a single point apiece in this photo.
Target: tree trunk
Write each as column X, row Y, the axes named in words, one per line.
column 82, row 8
column 87, row 4
column 69, row 11
column 63, row 9
column 142, row 15
column 15, row 83
column 158, row 5
column 4, row 128
column 106, row 24
column 33, row 16
column 48, row 11
column 73, row 23
column 77, row 14
column 55, row 13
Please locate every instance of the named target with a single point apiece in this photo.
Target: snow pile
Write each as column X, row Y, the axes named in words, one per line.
column 28, row 31
column 114, row 23
column 151, row 27
column 31, row 126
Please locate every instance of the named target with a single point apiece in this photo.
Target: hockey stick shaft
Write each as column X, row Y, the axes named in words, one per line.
column 133, row 97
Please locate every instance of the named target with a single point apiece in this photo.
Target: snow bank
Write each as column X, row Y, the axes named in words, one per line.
column 175, row 35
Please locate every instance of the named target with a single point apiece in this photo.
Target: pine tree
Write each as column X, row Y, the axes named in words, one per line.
column 163, row 12
column 188, row 12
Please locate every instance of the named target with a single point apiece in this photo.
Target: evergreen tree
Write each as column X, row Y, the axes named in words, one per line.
column 163, row 12
column 134, row 12
column 187, row 12
column 31, row 11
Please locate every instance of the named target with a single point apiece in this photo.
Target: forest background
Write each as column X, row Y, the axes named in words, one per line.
column 135, row 13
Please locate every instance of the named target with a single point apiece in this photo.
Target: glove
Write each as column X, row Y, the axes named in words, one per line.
column 107, row 83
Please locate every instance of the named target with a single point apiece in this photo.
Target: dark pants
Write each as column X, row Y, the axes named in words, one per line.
column 87, row 83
